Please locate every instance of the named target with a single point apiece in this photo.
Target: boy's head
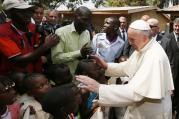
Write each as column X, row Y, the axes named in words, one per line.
column 62, row 100
column 89, row 68
column 38, row 12
column 60, row 74
column 18, row 77
column 36, row 85
column 7, row 93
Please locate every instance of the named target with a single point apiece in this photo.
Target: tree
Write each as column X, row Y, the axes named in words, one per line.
column 121, row 3
column 56, row 3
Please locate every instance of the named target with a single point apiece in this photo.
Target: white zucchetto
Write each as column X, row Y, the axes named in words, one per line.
column 140, row 25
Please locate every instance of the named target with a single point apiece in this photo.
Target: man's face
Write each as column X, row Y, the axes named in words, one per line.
column 108, row 26
column 176, row 28
column 40, row 86
column 53, row 17
column 154, row 30
column 22, row 16
column 81, row 21
column 38, row 15
column 136, row 39
column 154, row 27
column 123, row 23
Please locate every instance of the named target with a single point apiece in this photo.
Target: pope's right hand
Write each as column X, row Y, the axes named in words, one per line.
column 88, row 83
column 99, row 61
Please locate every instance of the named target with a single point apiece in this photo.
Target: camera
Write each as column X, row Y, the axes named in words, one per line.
column 43, row 29
column 47, row 28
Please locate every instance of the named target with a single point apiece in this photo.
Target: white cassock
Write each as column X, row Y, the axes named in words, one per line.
column 147, row 94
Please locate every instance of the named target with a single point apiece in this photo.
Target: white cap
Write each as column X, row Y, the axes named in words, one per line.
column 140, row 25
column 18, row 4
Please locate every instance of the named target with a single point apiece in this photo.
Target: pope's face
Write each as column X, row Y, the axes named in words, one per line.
column 136, row 39
column 176, row 28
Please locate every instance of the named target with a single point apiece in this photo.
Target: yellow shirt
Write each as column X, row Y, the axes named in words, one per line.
column 68, row 49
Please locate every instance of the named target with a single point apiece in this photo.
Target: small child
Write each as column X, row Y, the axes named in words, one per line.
column 59, row 74
column 36, row 85
column 62, row 101
column 8, row 109
column 89, row 68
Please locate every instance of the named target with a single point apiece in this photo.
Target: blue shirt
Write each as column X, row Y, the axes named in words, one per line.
column 105, row 49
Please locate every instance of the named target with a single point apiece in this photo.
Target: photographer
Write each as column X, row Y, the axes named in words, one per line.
column 48, row 28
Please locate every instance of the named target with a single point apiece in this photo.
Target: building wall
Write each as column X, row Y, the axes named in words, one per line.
column 98, row 19
column 162, row 20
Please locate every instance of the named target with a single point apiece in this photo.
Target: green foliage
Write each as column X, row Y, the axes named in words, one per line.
column 118, row 3
column 121, row 3
column 153, row 2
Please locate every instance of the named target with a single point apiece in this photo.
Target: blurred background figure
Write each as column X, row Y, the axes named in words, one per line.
column 52, row 21
column 174, row 37
column 38, row 13
column 127, row 50
column 123, row 28
column 145, row 17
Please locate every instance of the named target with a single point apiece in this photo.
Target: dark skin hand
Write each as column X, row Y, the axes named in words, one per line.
column 50, row 41
column 85, row 50
column 99, row 61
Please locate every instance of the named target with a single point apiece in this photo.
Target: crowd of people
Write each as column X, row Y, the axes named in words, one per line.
column 53, row 70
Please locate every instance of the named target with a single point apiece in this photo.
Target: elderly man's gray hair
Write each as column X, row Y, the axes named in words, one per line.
column 176, row 20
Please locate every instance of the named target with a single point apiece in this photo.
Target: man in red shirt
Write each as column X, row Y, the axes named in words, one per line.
column 20, row 46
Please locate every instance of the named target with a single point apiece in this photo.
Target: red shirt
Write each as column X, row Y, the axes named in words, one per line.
column 14, row 42
column 14, row 109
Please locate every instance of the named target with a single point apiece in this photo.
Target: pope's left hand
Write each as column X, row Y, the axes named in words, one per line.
column 88, row 83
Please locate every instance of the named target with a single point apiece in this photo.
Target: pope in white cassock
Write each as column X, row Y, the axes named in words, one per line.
column 147, row 94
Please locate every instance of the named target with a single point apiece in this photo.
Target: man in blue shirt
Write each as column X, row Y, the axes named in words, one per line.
column 108, row 45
